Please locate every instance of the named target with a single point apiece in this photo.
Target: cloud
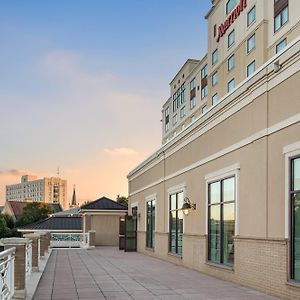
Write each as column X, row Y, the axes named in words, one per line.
column 120, row 151
column 12, row 172
column 67, row 65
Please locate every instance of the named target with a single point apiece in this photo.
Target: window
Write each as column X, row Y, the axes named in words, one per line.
column 251, row 16
column 204, row 72
column 281, row 46
column 214, row 99
column 221, row 221
column 231, row 62
column 214, row 78
column 182, row 112
column 204, row 109
column 231, row 38
column 251, row 69
column 214, row 57
column 192, row 103
column 295, row 217
column 167, row 119
column 204, row 92
column 193, row 119
column 231, row 85
column 251, row 43
column 175, row 223
column 150, row 224
column 281, row 18
column 230, row 6
column 175, row 119
column 193, row 84
column 179, row 97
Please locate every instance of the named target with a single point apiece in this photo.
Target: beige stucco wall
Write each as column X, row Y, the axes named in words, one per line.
column 251, row 137
column 107, row 229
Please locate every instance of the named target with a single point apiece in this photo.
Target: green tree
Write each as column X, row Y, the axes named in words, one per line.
column 34, row 212
column 7, row 227
column 122, row 200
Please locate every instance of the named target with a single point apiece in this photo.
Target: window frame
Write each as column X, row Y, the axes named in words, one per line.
column 248, row 14
column 228, row 60
column 277, row 45
column 151, row 199
column 280, row 14
column 253, row 62
column 216, row 80
column 222, row 174
column 214, row 100
column 252, row 49
column 229, row 42
column 214, row 57
column 232, row 80
column 181, row 188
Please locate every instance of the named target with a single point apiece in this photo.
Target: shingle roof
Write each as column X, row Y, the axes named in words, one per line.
column 18, row 206
column 104, row 204
column 69, row 212
column 56, row 223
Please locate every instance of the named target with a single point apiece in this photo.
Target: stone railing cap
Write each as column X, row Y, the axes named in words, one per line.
column 31, row 235
column 15, row 241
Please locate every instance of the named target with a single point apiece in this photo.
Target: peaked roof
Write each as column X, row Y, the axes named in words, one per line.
column 18, row 206
column 73, row 203
column 104, row 204
column 55, row 223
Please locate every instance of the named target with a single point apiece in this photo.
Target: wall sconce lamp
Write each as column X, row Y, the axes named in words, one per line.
column 187, row 206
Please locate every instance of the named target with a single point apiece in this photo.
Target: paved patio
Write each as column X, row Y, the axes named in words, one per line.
column 107, row 273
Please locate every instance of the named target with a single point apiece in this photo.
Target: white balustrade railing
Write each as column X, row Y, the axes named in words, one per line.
column 7, row 286
column 28, row 259
column 69, row 240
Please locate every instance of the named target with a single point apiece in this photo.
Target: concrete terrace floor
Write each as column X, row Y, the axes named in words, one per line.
column 107, row 273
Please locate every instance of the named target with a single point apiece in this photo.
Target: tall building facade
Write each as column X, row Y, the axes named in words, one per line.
column 222, row 193
column 242, row 37
column 48, row 190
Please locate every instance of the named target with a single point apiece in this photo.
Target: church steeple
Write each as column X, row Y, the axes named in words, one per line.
column 73, row 202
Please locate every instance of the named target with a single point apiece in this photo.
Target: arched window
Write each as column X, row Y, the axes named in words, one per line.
column 230, row 5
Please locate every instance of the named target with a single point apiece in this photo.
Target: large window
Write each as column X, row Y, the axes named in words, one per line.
column 214, row 57
column 251, row 43
column 295, row 205
column 204, row 72
column 214, row 78
column 231, row 38
column 230, row 85
column 179, row 97
column 281, row 15
column 150, row 224
column 230, row 6
column 280, row 46
column 221, row 221
column 176, row 223
column 214, row 99
column 231, row 62
column 251, row 68
column 204, row 92
column 251, row 16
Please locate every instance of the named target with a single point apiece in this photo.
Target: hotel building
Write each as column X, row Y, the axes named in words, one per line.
column 230, row 154
column 48, row 190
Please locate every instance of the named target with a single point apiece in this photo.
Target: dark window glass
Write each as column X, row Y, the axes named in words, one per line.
column 251, row 16
column 221, row 221
column 150, row 223
column 295, row 198
column 176, row 223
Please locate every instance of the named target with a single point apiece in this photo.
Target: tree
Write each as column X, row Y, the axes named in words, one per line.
column 34, row 212
column 7, row 227
column 122, row 200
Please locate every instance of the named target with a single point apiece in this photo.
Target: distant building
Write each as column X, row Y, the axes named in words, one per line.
column 48, row 190
column 15, row 208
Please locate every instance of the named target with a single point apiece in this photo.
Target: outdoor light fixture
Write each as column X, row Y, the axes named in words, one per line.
column 187, row 206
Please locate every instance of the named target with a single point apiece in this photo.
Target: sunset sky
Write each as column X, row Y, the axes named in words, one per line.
column 82, row 84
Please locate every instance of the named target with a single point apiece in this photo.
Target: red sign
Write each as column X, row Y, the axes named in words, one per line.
column 231, row 18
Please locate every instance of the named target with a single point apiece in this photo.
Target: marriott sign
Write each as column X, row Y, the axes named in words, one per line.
column 231, row 18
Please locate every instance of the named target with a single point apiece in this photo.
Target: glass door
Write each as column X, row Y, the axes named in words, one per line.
column 130, row 233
